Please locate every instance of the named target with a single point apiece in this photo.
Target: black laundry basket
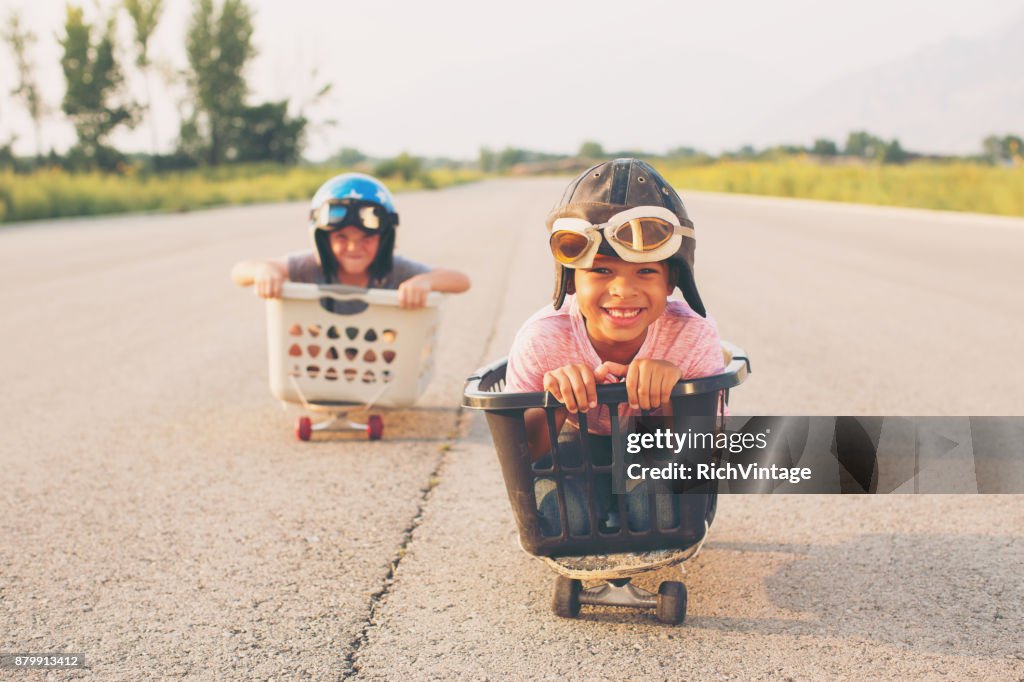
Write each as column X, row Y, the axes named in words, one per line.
column 580, row 466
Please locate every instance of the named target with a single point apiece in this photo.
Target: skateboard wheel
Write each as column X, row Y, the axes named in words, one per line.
column 304, row 428
column 374, row 427
column 566, row 602
column 672, row 602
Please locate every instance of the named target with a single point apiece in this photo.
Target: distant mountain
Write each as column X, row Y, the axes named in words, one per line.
column 944, row 98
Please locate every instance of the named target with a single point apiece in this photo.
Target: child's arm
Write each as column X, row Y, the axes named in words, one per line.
column 537, row 439
column 267, row 275
column 575, row 387
column 412, row 293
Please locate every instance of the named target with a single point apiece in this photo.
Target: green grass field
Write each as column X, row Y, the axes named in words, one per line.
column 956, row 186
column 57, row 194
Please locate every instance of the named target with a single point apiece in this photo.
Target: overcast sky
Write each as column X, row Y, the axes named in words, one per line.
column 445, row 77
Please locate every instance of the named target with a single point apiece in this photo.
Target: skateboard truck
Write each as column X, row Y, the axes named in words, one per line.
column 337, row 418
column 616, row 587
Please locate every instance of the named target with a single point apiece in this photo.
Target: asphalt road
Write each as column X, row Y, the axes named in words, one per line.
column 157, row 515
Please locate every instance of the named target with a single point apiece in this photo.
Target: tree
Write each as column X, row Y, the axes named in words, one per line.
column 145, row 15
column 992, row 147
column 7, row 160
column 487, row 160
column 94, row 81
column 1006, row 149
column 892, row 152
column 20, row 40
column 824, row 147
column 1014, row 147
column 591, row 150
column 404, row 165
column 269, row 134
column 221, row 127
column 681, row 153
column 510, row 156
column 218, row 46
column 863, row 144
column 349, row 156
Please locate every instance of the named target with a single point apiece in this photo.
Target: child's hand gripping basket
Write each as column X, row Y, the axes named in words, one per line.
column 338, row 344
column 565, row 502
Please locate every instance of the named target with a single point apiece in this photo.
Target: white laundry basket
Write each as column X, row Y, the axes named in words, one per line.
column 364, row 350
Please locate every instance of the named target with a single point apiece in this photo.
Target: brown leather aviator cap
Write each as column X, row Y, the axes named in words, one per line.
column 615, row 186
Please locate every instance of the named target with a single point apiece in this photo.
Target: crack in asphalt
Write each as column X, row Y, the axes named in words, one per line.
column 377, row 598
column 433, row 480
column 351, row 666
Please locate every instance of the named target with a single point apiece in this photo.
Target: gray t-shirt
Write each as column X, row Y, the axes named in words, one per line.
column 303, row 267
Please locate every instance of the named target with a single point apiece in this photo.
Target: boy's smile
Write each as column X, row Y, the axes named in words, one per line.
column 619, row 301
column 623, row 316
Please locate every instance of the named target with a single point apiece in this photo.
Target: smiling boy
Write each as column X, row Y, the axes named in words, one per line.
column 353, row 223
column 622, row 242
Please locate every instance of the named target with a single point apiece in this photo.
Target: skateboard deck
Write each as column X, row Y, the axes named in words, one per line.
column 617, row 566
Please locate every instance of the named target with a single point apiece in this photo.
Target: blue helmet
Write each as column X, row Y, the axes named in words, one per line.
column 353, row 199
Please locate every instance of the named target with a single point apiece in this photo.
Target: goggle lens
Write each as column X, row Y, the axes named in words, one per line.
column 567, row 246
column 368, row 218
column 338, row 214
column 644, row 234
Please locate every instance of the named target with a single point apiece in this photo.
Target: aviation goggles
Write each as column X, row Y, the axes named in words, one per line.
column 335, row 214
column 645, row 234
